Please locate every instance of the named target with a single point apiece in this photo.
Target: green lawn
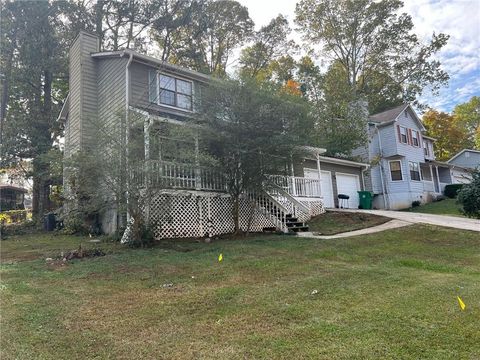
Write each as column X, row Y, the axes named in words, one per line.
column 444, row 207
column 334, row 222
column 388, row 295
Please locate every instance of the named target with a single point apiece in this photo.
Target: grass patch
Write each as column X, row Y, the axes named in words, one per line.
column 334, row 222
column 389, row 295
column 444, row 207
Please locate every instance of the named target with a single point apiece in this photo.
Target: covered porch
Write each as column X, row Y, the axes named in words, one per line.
column 173, row 157
column 435, row 176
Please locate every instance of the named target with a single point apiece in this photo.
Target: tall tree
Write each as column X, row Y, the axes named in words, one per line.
column 252, row 132
column 369, row 39
column 468, row 116
column 450, row 135
column 171, row 23
column 215, row 30
column 33, row 91
column 269, row 43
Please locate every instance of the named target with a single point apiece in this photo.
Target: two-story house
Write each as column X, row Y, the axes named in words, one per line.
column 403, row 165
column 111, row 90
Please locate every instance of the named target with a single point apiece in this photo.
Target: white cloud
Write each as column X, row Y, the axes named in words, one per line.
column 458, row 18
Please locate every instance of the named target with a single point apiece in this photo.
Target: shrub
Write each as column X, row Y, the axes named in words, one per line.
column 416, row 203
column 452, row 190
column 469, row 196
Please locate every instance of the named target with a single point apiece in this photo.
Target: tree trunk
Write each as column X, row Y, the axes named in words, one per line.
column 6, row 85
column 236, row 214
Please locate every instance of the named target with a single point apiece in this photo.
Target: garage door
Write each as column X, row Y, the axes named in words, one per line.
column 349, row 185
column 326, row 184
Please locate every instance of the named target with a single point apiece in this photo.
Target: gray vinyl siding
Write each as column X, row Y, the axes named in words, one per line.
column 82, row 116
column 111, row 93
column 72, row 130
column 89, row 91
column 472, row 160
column 140, row 90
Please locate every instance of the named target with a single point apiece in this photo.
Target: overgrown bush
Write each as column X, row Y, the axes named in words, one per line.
column 416, row 203
column 142, row 236
column 452, row 190
column 469, row 196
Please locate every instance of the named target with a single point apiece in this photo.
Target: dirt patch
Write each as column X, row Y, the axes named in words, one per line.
column 333, row 222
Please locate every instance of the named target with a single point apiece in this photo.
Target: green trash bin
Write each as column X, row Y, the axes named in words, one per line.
column 365, row 199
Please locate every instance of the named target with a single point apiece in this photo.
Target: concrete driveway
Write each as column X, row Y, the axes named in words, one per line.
column 420, row 218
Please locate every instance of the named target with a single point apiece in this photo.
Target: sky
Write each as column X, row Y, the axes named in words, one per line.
column 460, row 57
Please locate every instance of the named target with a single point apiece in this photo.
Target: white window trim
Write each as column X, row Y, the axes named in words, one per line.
column 175, row 77
column 418, row 138
column 390, row 170
column 406, row 134
column 419, row 171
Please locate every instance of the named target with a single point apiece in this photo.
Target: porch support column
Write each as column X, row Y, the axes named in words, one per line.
column 147, row 166
column 431, row 175
column 438, row 180
column 319, row 176
column 292, row 179
column 198, row 173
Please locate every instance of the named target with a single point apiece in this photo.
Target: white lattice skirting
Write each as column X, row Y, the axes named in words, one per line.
column 180, row 214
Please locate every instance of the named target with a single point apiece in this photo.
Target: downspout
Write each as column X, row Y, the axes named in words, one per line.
column 127, row 127
column 384, row 189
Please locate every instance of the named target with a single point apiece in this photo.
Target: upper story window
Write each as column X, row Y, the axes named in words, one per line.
column 171, row 91
column 425, row 148
column 396, row 170
column 403, row 135
column 415, row 138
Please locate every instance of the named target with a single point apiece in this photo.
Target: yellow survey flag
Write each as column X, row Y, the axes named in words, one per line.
column 461, row 303
column 220, row 257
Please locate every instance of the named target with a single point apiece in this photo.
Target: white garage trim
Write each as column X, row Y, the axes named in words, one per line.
column 353, row 202
column 326, row 185
column 328, row 197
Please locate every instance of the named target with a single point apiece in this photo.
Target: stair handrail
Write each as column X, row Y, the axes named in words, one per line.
column 291, row 198
column 281, row 220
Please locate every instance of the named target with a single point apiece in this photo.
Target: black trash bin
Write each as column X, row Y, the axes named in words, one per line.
column 49, row 222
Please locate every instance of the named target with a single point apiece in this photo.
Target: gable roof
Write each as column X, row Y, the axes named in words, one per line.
column 389, row 116
column 461, row 152
column 153, row 62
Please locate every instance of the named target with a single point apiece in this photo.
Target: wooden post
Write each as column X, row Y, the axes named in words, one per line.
column 319, row 175
column 147, row 166
column 292, row 179
column 431, row 175
column 198, row 172
column 438, row 179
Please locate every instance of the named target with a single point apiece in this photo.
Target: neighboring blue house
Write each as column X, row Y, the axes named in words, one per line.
column 403, row 165
column 467, row 158
column 464, row 162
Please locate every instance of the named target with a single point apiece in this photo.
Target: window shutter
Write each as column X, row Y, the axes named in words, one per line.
column 152, row 87
column 420, row 140
column 399, row 134
column 409, row 136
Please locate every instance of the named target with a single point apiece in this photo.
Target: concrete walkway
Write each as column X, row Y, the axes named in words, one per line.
column 392, row 224
column 420, row 218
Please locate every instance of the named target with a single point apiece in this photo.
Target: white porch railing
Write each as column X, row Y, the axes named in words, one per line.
column 167, row 174
column 179, row 176
column 428, row 185
column 298, row 186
